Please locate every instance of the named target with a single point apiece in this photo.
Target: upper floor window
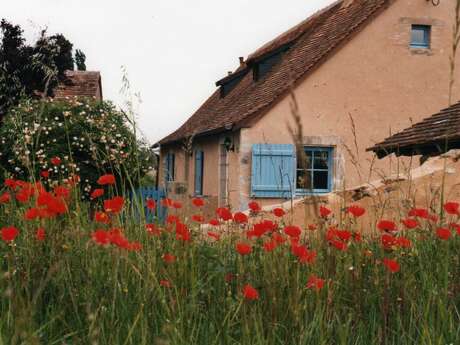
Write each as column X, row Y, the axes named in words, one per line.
column 420, row 36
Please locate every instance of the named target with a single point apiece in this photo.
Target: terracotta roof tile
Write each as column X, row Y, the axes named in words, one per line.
column 79, row 84
column 436, row 133
column 311, row 42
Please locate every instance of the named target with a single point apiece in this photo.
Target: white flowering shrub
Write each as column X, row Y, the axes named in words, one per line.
column 88, row 137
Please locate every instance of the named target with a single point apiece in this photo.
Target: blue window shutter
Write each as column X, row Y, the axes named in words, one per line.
column 273, row 170
column 199, row 160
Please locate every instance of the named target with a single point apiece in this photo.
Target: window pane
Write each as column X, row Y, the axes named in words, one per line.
column 307, row 162
column 420, row 36
column 321, row 160
column 303, row 179
column 320, row 180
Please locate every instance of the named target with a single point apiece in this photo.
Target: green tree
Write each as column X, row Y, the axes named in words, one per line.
column 30, row 70
column 90, row 138
column 80, row 60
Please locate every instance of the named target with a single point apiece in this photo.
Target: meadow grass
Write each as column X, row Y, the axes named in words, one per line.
column 70, row 289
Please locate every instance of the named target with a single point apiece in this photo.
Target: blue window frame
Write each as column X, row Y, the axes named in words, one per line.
column 420, row 36
column 314, row 171
column 199, row 167
column 169, row 167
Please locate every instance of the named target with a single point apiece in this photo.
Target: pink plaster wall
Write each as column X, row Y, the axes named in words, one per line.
column 377, row 80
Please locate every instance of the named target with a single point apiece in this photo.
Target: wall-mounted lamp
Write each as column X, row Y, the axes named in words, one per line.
column 228, row 143
column 435, row 2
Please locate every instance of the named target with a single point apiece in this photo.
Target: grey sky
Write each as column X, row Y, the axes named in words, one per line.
column 173, row 50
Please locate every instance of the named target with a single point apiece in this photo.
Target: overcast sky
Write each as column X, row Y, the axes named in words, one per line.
column 173, row 50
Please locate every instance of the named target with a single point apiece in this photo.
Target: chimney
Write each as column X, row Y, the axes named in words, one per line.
column 346, row 3
column 241, row 60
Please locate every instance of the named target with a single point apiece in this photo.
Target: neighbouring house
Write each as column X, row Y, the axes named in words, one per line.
column 358, row 71
column 79, row 84
column 433, row 136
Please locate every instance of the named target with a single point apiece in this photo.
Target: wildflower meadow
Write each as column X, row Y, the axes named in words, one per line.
column 78, row 272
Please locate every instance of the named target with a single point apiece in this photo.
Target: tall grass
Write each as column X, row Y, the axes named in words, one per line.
column 68, row 289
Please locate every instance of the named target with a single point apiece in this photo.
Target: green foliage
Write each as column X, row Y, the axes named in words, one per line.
column 80, row 60
column 90, row 137
column 30, row 70
column 68, row 289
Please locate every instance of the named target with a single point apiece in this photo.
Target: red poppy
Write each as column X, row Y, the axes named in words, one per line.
column 315, row 283
column 32, row 213
column 443, row 233
column 356, row 211
column 312, row 227
column 182, row 232
column 114, row 205
column 165, row 283
column 254, row 206
column 45, row 173
column 270, row 245
column 55, row 160
column 152, row 229
column 243, row 248
column 240, row 218
column 250, row 293
column 344, row 235
column 169, row 258
column 150, row 204
column 278, row 212
column 101, row 237
column 172, row 219
column 278, row 237
column 106, row 179
column 391, row 265
column 386, row 225
column 97, row 193
column 410, row 223
column 404, row 242
column 224, row 213
column 9, row 233
column 434, row 218
column 389, row 241
column 214, row 222
column 5, row 197
column 10, row 183
column 324, row 211
column 292, row 231
column 177, row 205
column 339, row 245
column 214, row 235
column 302, row 253
column 101, row 217
column 73, row 180
column 456, row 227
column 62, row 192
column 134, row 246
column 198, row 218
column 198, row 202
column 40, row 234
column 357, row 237
column 451, row 207
column 166, row 202
column 419, row 212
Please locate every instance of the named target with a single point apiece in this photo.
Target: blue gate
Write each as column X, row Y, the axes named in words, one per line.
column 139, row 204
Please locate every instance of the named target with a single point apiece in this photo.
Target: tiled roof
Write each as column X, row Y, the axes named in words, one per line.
column 435, row 134
column 311, row 43
column 79, row 84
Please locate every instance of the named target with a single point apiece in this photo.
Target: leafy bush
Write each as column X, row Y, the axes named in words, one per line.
column 88, row 137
